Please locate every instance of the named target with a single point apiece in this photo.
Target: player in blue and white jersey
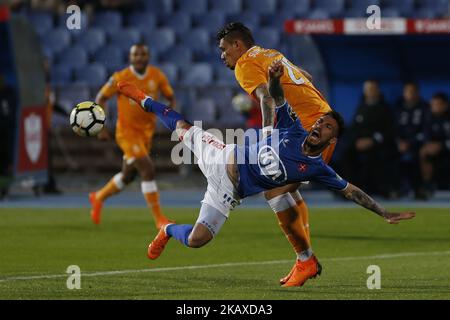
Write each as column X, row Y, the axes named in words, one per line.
column 288, row 155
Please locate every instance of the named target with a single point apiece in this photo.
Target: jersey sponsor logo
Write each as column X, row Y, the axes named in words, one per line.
column 270, row 164
column 302, row 167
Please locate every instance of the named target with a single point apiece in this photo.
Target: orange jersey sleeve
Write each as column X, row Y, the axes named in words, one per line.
column 109, row 88
column 164, row 86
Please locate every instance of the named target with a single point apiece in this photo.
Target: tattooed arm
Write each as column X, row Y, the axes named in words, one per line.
column 276, row 70
column 363, row 199
column 267, row 104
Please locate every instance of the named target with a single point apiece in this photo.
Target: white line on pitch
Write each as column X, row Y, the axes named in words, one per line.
column 224, row 265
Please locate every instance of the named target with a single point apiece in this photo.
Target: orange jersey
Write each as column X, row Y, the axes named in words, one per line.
column 130, row 116
column 252, row 70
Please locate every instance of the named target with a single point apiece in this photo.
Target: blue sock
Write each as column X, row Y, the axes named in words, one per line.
column 180, row 232
column 166, row 114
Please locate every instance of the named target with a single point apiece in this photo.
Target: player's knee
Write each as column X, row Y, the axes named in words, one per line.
column 196, row 241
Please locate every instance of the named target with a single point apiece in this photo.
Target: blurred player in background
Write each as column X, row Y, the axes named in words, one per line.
column 134, row 132
column 250, row 64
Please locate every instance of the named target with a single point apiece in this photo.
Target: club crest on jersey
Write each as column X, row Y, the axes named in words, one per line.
column 270, row 164
column 302, row 167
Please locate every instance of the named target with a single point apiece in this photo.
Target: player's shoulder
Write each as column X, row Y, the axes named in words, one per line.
column 123, row 74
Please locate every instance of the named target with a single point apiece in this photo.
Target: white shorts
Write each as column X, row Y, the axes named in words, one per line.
column 212, row 156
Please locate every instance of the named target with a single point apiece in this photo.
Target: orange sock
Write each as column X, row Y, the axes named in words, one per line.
column 112, row 187
column 304, row 212
column 151, row 195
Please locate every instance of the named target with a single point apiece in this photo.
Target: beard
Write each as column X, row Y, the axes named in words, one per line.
column 315, row 147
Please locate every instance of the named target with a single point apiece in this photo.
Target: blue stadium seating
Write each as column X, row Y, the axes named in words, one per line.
column 171, row 72
column 108, row 20
column 297, row 7
column 192, row 6
column 197, row 40
column 439, row 7
column 249, row 18
column 390, row 13
column 60, row 75
column 267, row 37
column 158, row 6
column 226, row 6
column 125, row 38
column 203, row 109
column 220, row 94
column 362, row 4
column 180, row 55
column 334, row 8
column 224, row 76
column 277, row 21
column 197, row 75
column 73, row 57
column 319, row 14
column 424, row 13
column 141, row 20
column 93, row 74
column 91, row 39
column 42, row 22
column 56, row 40
column 404, row 7
column 261, row 6
column 110, row 56
column 75, row 92
column 211, row 21
column 159, row 40
column 179, row 22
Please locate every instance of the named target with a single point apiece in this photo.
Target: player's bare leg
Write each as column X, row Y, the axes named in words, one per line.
column 114, row 186
column 150, row 190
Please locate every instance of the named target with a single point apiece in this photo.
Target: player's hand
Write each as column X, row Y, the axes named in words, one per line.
column 104, row 135
column 395, row 218
column 276, row 69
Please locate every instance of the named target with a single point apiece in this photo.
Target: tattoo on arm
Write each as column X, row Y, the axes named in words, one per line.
column 267, row 106
column 276, row 91
column 363, row 199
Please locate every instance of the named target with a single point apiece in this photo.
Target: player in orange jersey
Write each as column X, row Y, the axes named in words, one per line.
column 134, row 131
column 250, row 64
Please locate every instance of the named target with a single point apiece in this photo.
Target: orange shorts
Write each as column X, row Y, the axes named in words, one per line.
column 134, row 144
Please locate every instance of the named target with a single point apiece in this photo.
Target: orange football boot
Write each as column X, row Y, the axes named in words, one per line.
column 303, row 271
column 157, row 246
column 286, row 278
column 131, row 91
column 96, row 210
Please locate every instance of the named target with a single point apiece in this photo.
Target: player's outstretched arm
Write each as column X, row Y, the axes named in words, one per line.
column 276, row 70
column 358, row 196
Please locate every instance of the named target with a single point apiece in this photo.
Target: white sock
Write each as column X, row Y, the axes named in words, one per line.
column 304, row 255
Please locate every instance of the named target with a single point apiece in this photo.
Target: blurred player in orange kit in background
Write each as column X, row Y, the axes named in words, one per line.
column 134, row 132
column 250, row 64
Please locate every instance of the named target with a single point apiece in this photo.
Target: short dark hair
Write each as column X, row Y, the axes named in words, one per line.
column 234, row 31
column 340, row 121
column 441, row 96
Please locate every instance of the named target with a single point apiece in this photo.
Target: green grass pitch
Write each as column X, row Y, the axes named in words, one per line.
column 245, row 261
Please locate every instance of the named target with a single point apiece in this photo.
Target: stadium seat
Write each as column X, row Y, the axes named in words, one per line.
column 319, row 14
column 296, row 7
column 249, row 18
column 226, row 6
column 73, row 57
column 404, row 7
column 211, row 21
column 198, row 75
column 171, row 72
column 60, row 75
column 221, row 95
column 203, row 109
column 93, row 74
column 261, row 6
column 108, row 20
column 267, row 37
column 192, row 6
column 158, row 6
column 56, row 40
column 390, row 13
column 159, row 40
column 180, row 55
column 277, row 21
column 425, row 13
column 111, row 57
column 362, row 4
column 333, row 8
column 179, row 22
column 91, row 39
column 125, row 38
column 74, row 92
column 197, row 40
column 224, row 76
column 141, row 20
column 440, row 7
column 42, row 22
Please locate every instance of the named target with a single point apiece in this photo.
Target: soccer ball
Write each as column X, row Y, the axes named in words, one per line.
column 87, row 119
column 242, row 102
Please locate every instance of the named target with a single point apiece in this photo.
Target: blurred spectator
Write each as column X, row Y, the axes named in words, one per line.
column 410, row 121
column 435, row 153
column 7, row 125
column 370, row 158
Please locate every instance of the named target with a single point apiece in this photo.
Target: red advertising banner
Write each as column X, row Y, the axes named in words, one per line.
column 33, row 140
